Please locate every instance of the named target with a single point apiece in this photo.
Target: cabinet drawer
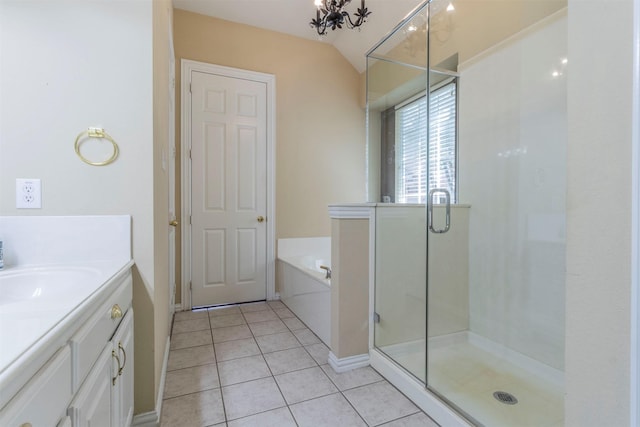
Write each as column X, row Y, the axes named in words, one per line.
column 87, row 343
column 43, row 400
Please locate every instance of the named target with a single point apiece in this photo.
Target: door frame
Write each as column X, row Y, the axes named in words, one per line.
column 187, row 67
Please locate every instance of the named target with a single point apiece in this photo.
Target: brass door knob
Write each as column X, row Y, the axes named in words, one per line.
column 260, row 219
column 116, row 311
column 174, row 223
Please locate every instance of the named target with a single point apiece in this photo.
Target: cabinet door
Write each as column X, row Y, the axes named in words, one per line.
column 43, row 401
column 122, row 393
column 92, row 405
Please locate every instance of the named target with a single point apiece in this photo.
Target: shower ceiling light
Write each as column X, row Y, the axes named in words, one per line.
column 331, row 14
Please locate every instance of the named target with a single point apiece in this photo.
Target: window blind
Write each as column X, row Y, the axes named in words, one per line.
column 413, row 149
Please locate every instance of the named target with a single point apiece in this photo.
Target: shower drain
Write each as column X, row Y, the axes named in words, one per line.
column 506, row 398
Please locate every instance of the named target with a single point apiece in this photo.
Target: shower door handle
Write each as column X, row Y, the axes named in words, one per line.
column 447, row 198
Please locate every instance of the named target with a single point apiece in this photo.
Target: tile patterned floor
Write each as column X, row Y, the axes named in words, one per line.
column 258, row 365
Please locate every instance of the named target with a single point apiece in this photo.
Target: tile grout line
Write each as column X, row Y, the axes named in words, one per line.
column 272, row 375
column 224, row 408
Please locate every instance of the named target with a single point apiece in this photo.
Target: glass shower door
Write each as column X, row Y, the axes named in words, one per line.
column 495, row 258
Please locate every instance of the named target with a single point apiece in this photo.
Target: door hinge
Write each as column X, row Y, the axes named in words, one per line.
column 376, row 318
column 190, row 285
column 189, row 152
column 189, row 219
column 189, row 87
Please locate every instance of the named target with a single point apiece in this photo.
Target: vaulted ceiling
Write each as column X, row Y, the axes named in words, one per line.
column 293, row 17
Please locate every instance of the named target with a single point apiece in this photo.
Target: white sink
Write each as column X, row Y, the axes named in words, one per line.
column 35, row 285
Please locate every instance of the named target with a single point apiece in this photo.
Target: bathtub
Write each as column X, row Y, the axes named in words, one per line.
column 302, row 283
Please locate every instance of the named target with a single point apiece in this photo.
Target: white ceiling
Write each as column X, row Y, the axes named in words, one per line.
column 293, row 17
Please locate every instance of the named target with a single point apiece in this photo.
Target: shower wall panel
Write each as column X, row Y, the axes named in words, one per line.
column 512, row 162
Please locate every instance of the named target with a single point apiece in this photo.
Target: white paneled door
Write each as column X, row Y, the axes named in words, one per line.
column 228, row 189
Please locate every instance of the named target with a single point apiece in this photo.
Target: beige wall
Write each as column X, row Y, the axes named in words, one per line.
column 349, row 287
column 320, row 142
column 58, row 76
column 599, row 213
column 162, row 18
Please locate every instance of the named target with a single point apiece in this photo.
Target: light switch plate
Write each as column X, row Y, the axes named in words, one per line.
column 28, row 193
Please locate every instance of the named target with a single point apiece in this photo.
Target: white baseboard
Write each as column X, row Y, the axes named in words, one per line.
column 348, row 363
column 152, row 418
column 177, row 307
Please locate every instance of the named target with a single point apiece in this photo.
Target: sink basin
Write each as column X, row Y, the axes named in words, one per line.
column 45, row 284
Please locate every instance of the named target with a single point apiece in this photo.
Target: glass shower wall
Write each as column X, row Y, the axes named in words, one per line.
column 397, row 71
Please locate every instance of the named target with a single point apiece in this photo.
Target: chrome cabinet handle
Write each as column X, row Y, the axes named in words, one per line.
column 447, row 197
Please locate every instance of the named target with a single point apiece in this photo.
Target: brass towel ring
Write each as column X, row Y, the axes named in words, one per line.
column 96, row 133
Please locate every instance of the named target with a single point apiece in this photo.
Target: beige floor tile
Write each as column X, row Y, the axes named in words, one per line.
column 284, row 313
column 195, row 410
column 327, row 411
column 275, row 342
column 192, row 356
column 225, row 321
column 293, row 359
column 254, row 306
column 416, row 420
column 244, row 369
column 190, row 315
column 235, row 349
column 305, row 384
column 241, row 400
column 276, row 304
column 367, row 400
column 230, row 333
column 280, row 417
column 319, row 352
column 294, row 323
column 224, row 311
column 191, row 325
column 191, row 380
column 353, row 378
column 306, row 337
column 260, row 316
column 267, row 328
column 191, row 339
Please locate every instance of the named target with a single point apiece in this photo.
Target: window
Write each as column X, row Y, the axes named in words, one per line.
column 411, row 142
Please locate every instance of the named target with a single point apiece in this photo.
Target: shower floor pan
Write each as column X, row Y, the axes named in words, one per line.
column 490, row 389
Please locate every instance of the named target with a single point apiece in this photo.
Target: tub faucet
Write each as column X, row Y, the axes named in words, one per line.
column 328, row 270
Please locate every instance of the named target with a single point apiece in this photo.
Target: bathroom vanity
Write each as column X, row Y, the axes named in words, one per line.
column 66, row 322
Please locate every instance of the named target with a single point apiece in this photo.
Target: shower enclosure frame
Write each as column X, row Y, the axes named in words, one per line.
column 418, row 389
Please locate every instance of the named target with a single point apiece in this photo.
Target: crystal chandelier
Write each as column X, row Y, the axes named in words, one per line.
column 331, row 14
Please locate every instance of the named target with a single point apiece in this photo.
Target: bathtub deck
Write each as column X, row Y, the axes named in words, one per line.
column 258, row 364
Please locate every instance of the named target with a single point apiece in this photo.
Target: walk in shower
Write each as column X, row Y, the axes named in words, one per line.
column 467, row 137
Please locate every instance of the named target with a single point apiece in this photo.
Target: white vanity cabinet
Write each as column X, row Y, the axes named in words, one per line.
column 106, row 396
column 88, row 380
column 105, row 381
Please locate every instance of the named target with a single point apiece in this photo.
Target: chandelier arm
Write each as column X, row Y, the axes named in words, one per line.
column 362, row 15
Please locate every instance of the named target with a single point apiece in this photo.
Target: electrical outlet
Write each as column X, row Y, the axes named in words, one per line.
column 28, row 194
